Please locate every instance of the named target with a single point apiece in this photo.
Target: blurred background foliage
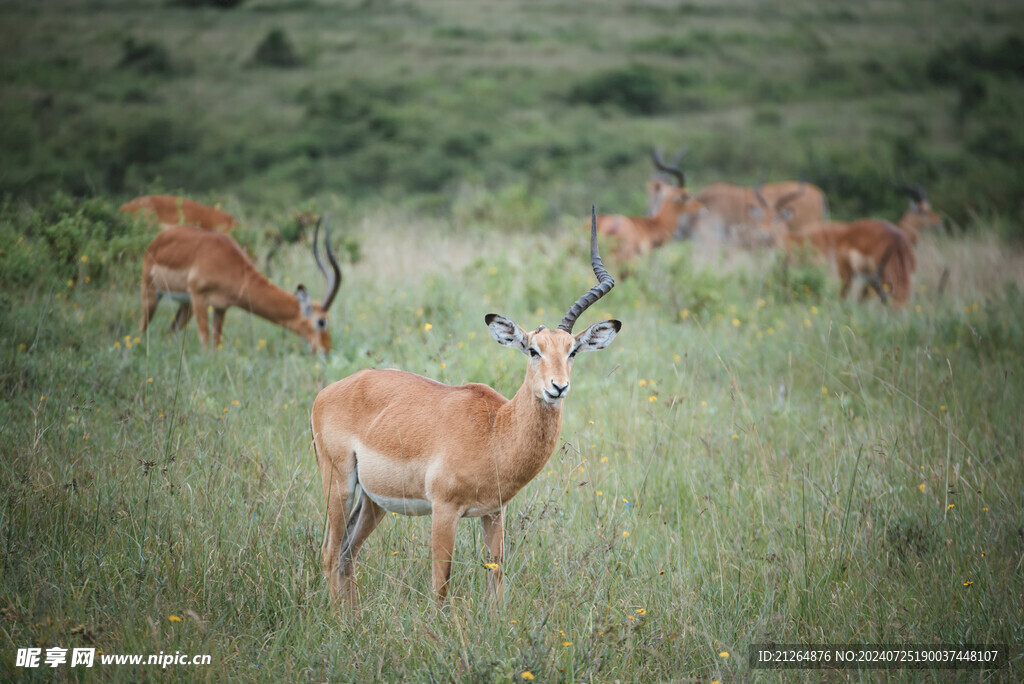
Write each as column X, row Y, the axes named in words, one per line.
column 435, row 105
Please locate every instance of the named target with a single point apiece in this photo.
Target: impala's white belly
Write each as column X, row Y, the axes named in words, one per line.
column 174, row 296
column 400, row 485
column 860, row 262
column 400, row 506
column 170, row 284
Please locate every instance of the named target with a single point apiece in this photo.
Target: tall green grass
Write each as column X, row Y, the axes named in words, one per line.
column 742, row 465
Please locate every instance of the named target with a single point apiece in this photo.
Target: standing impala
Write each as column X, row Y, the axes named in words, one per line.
column 873, row 249
column 417, row 447
column 170, row 210
column 201, row 268
column 919, row 215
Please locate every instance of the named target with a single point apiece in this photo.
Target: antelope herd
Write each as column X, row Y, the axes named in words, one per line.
column 415, row 446
column 784, row 215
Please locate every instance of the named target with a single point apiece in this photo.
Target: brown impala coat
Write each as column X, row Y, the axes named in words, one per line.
column 170, row 210
column 807, row 206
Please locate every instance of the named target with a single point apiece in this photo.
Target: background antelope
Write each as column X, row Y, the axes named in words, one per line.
column 676, row 209
column 799, row 204
column 919, row 216
column 418, row 447
column 870, row 248
column 170, row 210
column 201, row 268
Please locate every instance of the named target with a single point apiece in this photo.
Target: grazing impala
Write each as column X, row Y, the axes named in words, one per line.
column 919, row 215
column 871, row 248
column 799, row 204
column 201, row 268
column 173, row 211
column 640, row 234
column 417, row 447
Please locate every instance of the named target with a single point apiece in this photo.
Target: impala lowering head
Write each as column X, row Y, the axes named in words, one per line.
column 552, row 352
column 314, row 324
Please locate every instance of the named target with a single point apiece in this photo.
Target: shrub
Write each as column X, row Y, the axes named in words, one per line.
column 275, row 50
column 219, row 4
column 146, row 57
column 66, row 239
column 637, row 89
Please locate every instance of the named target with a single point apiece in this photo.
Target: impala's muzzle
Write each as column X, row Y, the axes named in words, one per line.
column 555, row 392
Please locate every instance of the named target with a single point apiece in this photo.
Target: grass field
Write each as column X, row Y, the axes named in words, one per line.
column 748, row 462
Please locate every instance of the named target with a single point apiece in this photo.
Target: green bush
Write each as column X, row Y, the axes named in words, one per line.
column 276, row 50
column 67, row 239
column 219, row 4
column 636, row 89
column 146, row 57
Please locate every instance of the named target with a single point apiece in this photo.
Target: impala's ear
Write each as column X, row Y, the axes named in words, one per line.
column 597, row 336
column 506, row 332
column 304, row 302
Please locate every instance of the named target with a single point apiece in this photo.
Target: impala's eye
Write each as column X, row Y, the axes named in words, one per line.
column 534, row 354
column 572, row 354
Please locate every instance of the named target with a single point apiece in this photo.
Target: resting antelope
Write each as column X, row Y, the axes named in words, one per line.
column 919, row 215
column 173, row 211
column 417, row 447
column 201, row 268
column 872, row 248
column 640, row 234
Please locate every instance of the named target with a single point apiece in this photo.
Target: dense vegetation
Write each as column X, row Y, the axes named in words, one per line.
column 751, row 461
column 413, row 101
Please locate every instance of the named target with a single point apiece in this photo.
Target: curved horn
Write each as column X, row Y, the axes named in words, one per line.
column 334, row 276
column 760, row 197
column 790, row 196
column 670, row 170
column 915, row 192
column 604, row 281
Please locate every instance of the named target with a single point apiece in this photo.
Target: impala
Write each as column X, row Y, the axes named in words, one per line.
column 661, row 180
column 640, row 234
column 418, row 447
column 743, row 215
column 201, row 268
column 919, row 215
column 800, row 204
column 871, row 248
column 172, row 211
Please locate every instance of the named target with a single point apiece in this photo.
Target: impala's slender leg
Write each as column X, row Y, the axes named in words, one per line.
column 202, row 318
column 364, row 519
column 149, row 300
column 339, row 486
column 444, row 521
column 846, row 275
column 218, row 325
column 182, row 316
column 494, row 539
